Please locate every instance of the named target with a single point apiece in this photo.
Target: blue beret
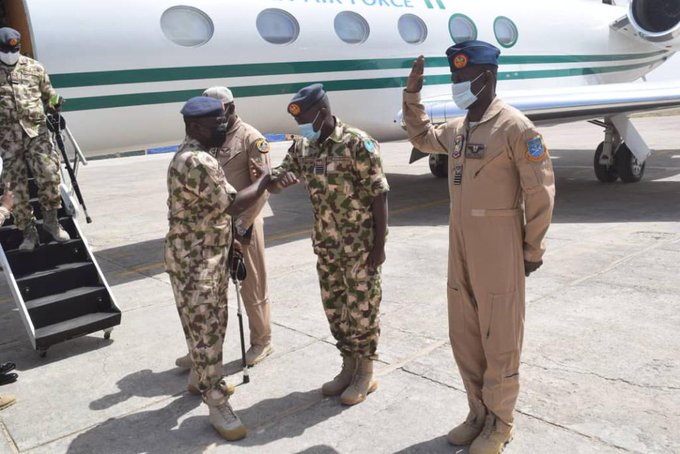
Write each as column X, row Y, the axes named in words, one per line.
column 202, row 106
column 305, row 98
column 9, row 38
column 472, row 52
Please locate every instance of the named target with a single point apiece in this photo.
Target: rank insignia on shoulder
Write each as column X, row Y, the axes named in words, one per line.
column 369, row 145
column 536, row 150
column 262, row 145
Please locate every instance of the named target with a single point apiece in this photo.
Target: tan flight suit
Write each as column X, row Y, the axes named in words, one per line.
column 244, row 142
column 502, row 192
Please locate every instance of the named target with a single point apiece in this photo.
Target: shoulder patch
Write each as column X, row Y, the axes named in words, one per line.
column 262, row 145
column 536, row 150
column 369, row 145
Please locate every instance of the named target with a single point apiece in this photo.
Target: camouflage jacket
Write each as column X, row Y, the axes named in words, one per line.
column 343, row 175
column 198, row 196
column 25, row 88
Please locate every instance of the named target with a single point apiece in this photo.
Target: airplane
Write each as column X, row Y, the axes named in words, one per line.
column 125, row 69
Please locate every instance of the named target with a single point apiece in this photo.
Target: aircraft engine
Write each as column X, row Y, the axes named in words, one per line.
column 656, row 21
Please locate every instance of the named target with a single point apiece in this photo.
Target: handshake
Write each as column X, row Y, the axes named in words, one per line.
column 274, row 183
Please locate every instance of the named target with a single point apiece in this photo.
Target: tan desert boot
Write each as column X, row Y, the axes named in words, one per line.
column 341, row 381
column 362, row 383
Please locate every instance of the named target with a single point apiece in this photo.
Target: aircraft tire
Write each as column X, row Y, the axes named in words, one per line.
column 603, row 173
column 439, row 165
column 628, row 167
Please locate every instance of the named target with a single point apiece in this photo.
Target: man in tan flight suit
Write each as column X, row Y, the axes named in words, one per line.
column 242, row 143
column 502, row 191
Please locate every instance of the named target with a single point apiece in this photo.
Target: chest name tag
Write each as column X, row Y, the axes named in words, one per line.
column 320, row 167
column 475, row 151
column 458, row 175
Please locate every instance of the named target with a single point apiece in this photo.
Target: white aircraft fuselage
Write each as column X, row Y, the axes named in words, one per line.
column 125, row 80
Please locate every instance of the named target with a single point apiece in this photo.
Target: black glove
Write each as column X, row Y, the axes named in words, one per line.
column 237, row 267
column 530, row 267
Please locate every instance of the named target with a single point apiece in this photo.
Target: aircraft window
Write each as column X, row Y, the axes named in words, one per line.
column 351, row 27
column 462, row 28
column 412, row 29
column 187, row 26
column 277, row 26
column 505, row 31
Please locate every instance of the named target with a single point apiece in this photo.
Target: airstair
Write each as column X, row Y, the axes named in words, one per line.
column 59, row 289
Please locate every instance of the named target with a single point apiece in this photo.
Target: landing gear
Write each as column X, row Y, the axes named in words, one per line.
column 613, row 159
column 606, row 173
column 107, row 333
column 439, row 165
column 630, row 170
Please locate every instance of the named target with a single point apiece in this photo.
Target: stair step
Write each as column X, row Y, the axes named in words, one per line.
column 46, row 256
column 79, row 326
column 11, row 237
column 59, row 279
column 67, row 305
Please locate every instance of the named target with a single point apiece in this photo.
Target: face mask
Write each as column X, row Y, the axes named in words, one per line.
column 307, row 130
column 9, row 58
column 462, row 93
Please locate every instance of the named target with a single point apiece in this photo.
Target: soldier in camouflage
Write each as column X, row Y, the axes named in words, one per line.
column 342, row 170
column 200, row 205
column 25, row 142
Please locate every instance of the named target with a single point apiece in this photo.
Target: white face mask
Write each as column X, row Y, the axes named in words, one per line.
column 9, row 58
column 462, row 93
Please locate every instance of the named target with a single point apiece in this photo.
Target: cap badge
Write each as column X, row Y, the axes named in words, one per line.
column 12, row 42
column 294, row 109
column 460, row 61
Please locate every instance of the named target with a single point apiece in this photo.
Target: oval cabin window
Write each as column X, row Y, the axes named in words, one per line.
column 462, row 28
column 351, row 27
column 277, row 26
column 412, row 29
column 505, row 31
column 187, row 26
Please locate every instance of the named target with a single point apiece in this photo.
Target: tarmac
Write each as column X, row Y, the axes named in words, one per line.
column 601, row 363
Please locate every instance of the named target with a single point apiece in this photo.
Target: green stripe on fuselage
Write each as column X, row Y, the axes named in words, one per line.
column 134, row 76
column 139, row 99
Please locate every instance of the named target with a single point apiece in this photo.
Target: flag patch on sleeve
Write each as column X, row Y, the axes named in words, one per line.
column 536, row 150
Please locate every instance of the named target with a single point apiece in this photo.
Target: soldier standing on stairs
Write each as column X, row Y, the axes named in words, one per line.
column 25, row 142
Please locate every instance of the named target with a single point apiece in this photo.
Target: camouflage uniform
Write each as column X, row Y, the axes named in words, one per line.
column 196, row 249
column 25, row 142
column 343, row 175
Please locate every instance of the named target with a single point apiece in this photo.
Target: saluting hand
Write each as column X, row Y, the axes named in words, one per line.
column 415, row 79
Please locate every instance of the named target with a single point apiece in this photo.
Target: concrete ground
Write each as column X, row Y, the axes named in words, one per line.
column 600, row 368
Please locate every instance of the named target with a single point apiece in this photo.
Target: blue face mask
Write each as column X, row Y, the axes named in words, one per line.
column 307, row 130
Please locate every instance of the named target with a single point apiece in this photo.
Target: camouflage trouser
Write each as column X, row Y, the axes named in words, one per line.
column 199, row 281
column 351, row 295
column 38, row 154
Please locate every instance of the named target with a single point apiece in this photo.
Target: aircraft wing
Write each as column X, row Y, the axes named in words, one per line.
column 561, row 105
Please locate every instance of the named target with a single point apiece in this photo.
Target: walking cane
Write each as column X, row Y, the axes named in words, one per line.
column 238, row 274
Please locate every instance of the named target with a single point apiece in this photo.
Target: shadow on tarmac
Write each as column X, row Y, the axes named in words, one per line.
column 436, row 445
column 162, row 430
